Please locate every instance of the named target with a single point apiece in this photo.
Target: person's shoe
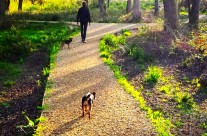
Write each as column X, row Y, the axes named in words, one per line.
column 84, row 41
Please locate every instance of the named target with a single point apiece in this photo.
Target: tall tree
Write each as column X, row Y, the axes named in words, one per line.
column 2, row 8
column 129, row 6
column 136, row 13
column 193, row 12
column 20, row 5
column 156, row 7
column 170, row 14
column 101, row 7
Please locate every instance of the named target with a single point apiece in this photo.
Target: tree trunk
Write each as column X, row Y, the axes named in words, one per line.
column 129, row 6
column 101, row 7
column 193, row 12
column 156, row 7
column 136, row 14
column 170, row 14
column 20, row 5
column 2, row 9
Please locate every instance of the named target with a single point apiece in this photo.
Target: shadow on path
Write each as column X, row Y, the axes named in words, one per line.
column 66, row 127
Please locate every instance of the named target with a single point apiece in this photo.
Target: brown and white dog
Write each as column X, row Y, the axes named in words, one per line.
column 66, row 42
column 87, row 102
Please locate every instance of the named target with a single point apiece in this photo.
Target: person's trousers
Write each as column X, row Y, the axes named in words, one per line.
column 84, row 26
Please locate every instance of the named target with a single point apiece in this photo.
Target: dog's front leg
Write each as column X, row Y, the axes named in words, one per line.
column 82, row 112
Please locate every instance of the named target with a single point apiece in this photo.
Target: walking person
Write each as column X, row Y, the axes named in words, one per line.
column 84, row 18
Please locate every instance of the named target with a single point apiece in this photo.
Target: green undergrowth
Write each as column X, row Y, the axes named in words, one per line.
column 9, row 73
column 18, row 43
column 21, row 40
column 107, row 46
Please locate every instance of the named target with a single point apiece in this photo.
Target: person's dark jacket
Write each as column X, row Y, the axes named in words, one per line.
column 83, row 15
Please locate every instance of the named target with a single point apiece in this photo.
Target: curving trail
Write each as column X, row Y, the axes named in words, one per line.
column 80, row 70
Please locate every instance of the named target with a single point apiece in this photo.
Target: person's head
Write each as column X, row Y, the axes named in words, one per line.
column 84, row 4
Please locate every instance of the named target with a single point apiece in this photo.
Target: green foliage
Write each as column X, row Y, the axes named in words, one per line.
column 18, row 42
column 15, row 46
column 46, row 71
column 50, row 10
column 113, row 15
column 204, row 134
column 203, row 125
column 43, row 107
column 185, row 102
column 147, row 4
column 126, row 32
column 31, row 124
column 5, row 104
column 153, row 74
column 161, row 124
column 9, row 73
column 110, row 40
column 142, row 31
column 166, row 89
column 196, row 82
column 121, row 40
column 137, row 53
column 178, row 123
column 38, row 83
column 48, row 89
column 8, row 83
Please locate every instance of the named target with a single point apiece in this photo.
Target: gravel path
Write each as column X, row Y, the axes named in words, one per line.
column 80, row 70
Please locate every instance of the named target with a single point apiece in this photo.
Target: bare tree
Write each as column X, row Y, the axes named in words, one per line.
column 170, row 14
column 156, row 8
column 101, row 7
column 20, row 5
column 129, row 6
column 136, row 14
column 193, row 12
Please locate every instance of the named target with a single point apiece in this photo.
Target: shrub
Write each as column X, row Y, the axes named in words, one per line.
column 153, row 74
column 185, row 102
column 15, row 46
column 137, row 53
column 110, row 40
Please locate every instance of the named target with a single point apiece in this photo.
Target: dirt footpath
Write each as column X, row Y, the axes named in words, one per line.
column 81, row 70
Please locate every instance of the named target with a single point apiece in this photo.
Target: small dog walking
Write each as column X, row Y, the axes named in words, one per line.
column 66, row 42
column 87, row 102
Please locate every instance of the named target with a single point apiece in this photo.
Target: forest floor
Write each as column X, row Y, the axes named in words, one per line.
column 183, row 68
column 23, row 97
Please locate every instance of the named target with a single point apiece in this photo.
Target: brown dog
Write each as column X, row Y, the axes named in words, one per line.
column 87, row 102
column 66, row 42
